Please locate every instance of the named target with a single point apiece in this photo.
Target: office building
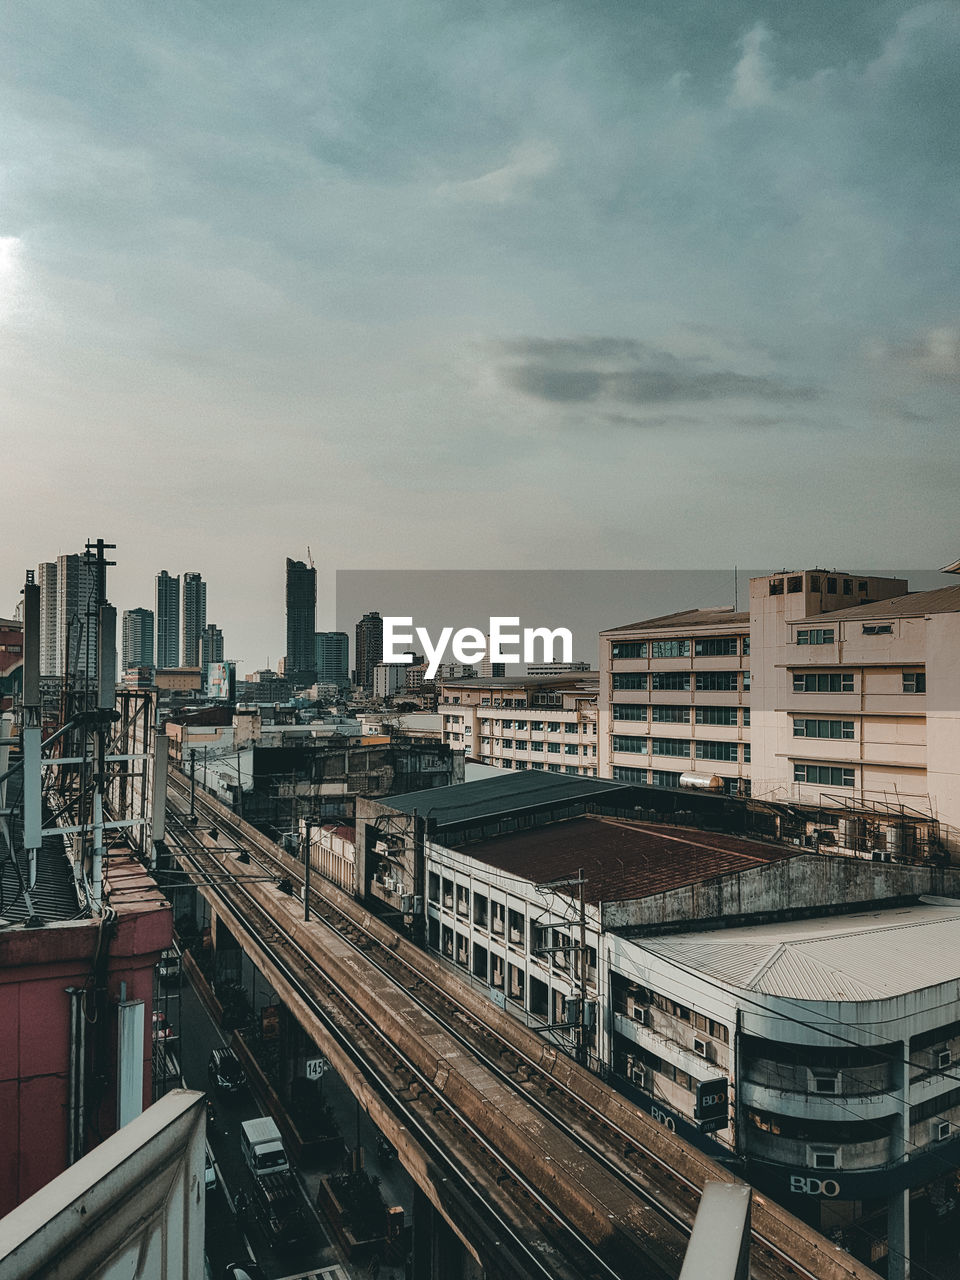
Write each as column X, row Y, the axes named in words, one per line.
column 77, row 606
column 675, row 701
column 333, row 657
column 137, row 638
column 524, row 722
column 47, row 578
column 194, row 617
column 168, row 619
column 368, row 650
column 388, row 678
column 301, row 599
column 211, row 646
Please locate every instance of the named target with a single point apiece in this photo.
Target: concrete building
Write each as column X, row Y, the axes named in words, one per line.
column 168, row 620
column 11, row 661
column 388, row 678
column 211, row 646
column 301, row 601
column 554, row 668
column 857, row 707
column 675, row 701
column 137, row 638
column 76, row 616
column 524, row 722
column 194, row 617
column 333, row 657
column 47, row 578
column 368, row 650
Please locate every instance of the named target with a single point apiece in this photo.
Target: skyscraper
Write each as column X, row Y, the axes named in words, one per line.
column 76, row 628
column 301, row 658
column 194, row 617
column 333, row 657
column 47, row 578
column 137, row 638
column 211, row 647
column 168, row 620
column 369, row 647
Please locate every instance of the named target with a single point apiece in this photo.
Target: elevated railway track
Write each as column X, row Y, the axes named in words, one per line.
column 539, row 1166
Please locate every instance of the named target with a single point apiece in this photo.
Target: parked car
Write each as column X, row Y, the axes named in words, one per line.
column 278, row 1205
column 209, row 1170
column 225, row 1072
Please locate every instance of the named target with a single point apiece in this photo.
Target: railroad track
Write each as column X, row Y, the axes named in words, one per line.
column 669, row 1198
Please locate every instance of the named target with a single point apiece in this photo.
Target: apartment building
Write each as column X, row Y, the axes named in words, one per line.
column 524, row 722
column 674, row 701
column 856, row 706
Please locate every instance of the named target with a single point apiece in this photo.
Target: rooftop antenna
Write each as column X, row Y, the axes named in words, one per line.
column 310, row 557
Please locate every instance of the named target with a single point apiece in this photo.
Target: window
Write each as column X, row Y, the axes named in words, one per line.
column 628, row 649
column 463, row 900
column 721, row 681
column 553, row 748
column 446, row 941
column 776, row 586
column 746, row 753
column 463, row 950
column 622, row 773
column 496, row 972
column 536, row 746
column 508, row 724
column 497, row 917
column 479, row 961
column 715, row 647
column 570, row 728
column 805, row 728
column 824, row 1159
column 814, row 582
column 876, row 629
column 673, row 680
column 847, row 587
column 571, row 749
column 823, row 682
column 506, row 743
column 824, row 774
column 669, row 648
column 715, row 750
column 520, row 744
column 831, row 586
column 670, row 715
column 664, row 778
column 746, row 717
column 746, row 681
column 914, row 682
column 433, row 887
column 536, row 726
column 480, row 910
column 555, row 768
column 624, row 742
column 448, row 893
column 629, row 680
column 629, row 711
column 815, row 635
column 670, row 746
column 516, row 932
column 794, row 584
column 716, row 715
column 746, row 646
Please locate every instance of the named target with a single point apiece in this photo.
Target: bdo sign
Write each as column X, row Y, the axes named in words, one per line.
column 712, row 1110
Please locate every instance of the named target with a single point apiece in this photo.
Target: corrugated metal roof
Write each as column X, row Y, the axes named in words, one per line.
column 869, row 956
column 915, row 604
column 686, row 618
column 488, row 797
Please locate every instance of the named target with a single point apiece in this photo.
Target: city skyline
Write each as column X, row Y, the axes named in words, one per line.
column 645, row 286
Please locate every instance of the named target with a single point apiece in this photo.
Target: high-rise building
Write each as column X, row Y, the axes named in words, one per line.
column 47, row 578
column 168, row 619
column 369, row 647
column 301, row 654
column 137, row 638
column 194, row 617
column 333, row 657
column 76, row 626
column 211, row 646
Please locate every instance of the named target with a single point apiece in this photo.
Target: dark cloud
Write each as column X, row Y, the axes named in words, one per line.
column 627, row 372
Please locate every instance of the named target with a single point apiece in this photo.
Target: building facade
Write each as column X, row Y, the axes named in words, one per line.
column 524, row 722
column 76, row 616
column 47, row 578
column 675, row 701
column 333, row 657
column 211, row 646
column 301, row 602
column 137, row 638
column 368, row 650
column 168, row 619
column 194, row 617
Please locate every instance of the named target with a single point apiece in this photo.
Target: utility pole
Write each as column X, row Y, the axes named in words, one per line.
column 306, row 873
column 582, row 1035
column 193, row 782
column 239, row 789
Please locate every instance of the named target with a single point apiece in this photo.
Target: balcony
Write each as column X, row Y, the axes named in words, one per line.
column 796, row 1152
column 817, row 1106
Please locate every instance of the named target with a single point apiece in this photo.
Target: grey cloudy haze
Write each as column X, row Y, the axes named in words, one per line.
column 567, row 284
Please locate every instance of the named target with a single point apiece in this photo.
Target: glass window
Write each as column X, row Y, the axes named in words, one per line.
column 665, row 778
column 716, row 715
column 776, row 586
column 670, row 715
column 715, row 647
column 553, row 748
column 670, row 680
column 823, row 682
column 629, row 711
column 914, row 682
column 623, row 773
column 670, row 649
column 628, row 649
column 807, row 728
column 824, row 774
column 624, row 742
column 715, row 750
column 629, row 680
column 720, row 681
column 815, row 635
column 571, row 748
column 670, row 746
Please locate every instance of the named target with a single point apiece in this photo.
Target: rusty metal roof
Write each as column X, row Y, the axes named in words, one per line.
column 915, row 604
column 686, row 618
column 622, row 859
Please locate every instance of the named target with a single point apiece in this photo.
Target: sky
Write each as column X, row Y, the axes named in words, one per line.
column 424, row 284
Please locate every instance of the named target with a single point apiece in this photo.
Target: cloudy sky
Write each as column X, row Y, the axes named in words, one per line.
column 583, row 283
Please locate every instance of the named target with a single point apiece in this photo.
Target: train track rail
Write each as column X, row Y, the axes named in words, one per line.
column 619, row 1152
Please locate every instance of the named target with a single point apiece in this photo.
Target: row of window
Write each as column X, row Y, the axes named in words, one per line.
column 680, row 681
column 708, row 647
column 538, row 726
column 504, row 762
column 551, row 748
column 842, row 682
column 671, row 778
column 825, row 775
column 806, row 728
column 795, row 584
column 816, row 635
column 666, row 714
column 700, row 750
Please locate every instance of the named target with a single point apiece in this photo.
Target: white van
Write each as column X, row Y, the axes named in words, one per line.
column 262, row 1146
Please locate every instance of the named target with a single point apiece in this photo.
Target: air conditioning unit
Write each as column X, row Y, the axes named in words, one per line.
column 943, row 1058
column 824, row 1159
column 406, row 903
column 635, row 1071
column 943, row 1128
column 700, row 1047
column 640, row 1015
